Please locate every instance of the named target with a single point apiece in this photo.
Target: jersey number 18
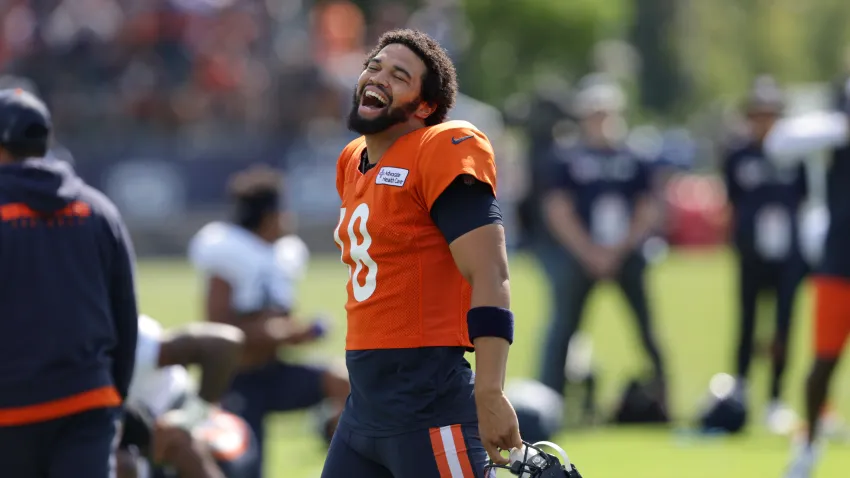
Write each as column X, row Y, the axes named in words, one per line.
column 359, row 252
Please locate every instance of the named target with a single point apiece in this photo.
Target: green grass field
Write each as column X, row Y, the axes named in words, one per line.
column 695, row 311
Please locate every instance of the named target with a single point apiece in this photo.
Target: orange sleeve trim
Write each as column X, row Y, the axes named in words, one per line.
column 104, row 397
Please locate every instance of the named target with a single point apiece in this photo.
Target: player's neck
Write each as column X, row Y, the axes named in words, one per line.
column 262, row 235
column 378, row 144
column 597, row 143
column 759, row 137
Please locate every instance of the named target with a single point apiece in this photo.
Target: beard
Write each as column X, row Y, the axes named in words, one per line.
column 389, row 117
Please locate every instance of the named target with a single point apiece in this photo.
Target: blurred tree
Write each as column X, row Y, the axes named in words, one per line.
column 516, row 40
column 691, row 52
column 369, row 7
column 724, row 44
column 829, row 37
column 660, row 79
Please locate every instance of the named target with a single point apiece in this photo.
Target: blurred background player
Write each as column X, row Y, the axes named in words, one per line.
column 803, row 137
column 547, row 111
column 421, row 233
column 765, row 201
column 251, row 266
column 68, row 307
column 599, row 211
column 172, row 430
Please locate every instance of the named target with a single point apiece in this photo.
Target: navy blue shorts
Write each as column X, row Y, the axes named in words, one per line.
column 447, row 452
column 275, row 387
column 74, row 446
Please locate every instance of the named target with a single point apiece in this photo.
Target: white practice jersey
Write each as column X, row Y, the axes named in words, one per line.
column 261, row 275
column 155, row 389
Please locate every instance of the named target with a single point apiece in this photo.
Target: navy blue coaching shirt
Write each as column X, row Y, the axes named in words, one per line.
column 604, row 185
column 766, row 199
column 67, row 298
column 836, row 260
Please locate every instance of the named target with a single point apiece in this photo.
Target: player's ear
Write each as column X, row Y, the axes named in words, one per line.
column 424, row 110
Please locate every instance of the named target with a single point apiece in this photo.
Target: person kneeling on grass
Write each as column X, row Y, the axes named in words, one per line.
column 171, row 431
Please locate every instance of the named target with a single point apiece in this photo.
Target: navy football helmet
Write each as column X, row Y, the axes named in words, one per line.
column 536, row 463
column 724, row 408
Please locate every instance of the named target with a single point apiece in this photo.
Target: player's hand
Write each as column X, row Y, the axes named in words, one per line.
column 194, row 412
column 303, row 333
column 290, row 331
column 596, row 261
column 598, row 267
column 611, row 261
column 497, row 424
column 602, row 263
column 168, row 441
column 178, row 448
column 319, row 327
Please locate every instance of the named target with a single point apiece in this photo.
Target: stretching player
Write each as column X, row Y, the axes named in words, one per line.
column 802, row 137
column 421, row 233
column 766, row 202
column 67, row 307
column 251, row 267
column 172, row 430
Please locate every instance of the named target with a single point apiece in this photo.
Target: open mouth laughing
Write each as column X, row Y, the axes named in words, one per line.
column 373, row 101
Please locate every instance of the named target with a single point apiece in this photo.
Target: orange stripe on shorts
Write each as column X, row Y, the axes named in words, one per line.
column 450, row 452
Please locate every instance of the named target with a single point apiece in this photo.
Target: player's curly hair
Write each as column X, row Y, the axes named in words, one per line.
column 439, row 86
column 256, row 192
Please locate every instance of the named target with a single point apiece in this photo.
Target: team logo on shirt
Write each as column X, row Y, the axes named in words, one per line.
column 391, row 176
column 751, row 173
column 588, row 168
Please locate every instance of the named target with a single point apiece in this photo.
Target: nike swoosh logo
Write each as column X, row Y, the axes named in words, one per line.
column 460, row 140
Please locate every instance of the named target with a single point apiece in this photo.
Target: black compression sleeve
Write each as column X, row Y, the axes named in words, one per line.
column 138, row 430
column 465, row 205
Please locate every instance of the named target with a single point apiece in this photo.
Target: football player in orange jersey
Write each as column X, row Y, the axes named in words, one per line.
column 421, row 233
column 810, row 136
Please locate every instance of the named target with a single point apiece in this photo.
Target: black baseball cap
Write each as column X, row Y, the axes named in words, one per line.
column 25, row 124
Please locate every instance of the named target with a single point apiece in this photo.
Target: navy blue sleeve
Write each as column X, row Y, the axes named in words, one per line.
column 733, row 190
column 465, row 205
column 122, row 296
column 558, row 175
column 125, row 312
column 642, row 182
column 802, row 181
column 138, row 431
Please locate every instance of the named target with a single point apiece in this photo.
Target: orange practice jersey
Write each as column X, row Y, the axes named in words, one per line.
column 404, row 290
